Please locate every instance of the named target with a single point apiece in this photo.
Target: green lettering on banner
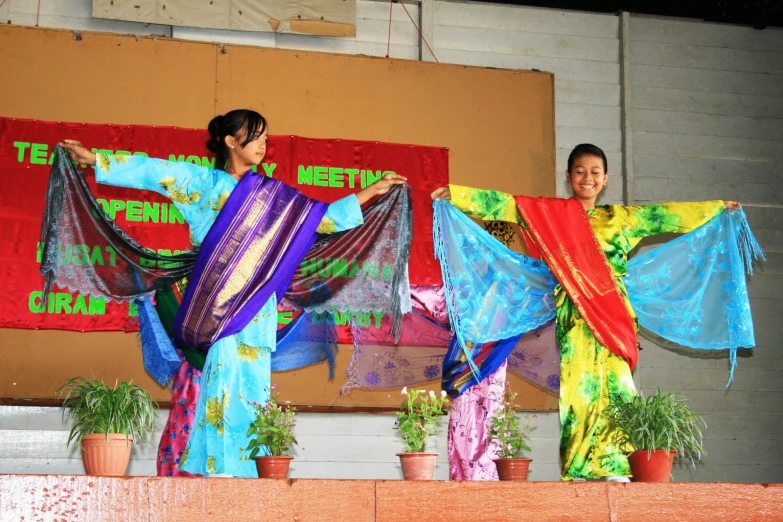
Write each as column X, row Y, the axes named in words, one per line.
column 80, row 257
column 354, row 268
column 143, row 211
column 351, row 173
column 324, row 269
column 387, row 274
column 133, row 309
column 180, row 158
column 34, row 303
column 151, row 212
column 134, row 211
column 372, row 178
column 362, row 319
column 378, row 315
column 208, row 162
column 285, row 317
column 308, row 266
column 21, row 147
column 175, row 216
column 38, row 153
column 79, row 306
column 339, row 267
column 320, row 176
column 115, row 205
column 335, row 177
column 143, row 261
column 96, row 258
column 168, row 264
column 371, row 268
column 63, row 303
column 195, row 160
column 97, row 306
column 305, row 175
column 269, row 169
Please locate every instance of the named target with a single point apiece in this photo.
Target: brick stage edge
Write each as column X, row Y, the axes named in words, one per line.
column 78, row 497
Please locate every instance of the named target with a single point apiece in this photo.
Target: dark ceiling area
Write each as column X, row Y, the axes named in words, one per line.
column 758, row 13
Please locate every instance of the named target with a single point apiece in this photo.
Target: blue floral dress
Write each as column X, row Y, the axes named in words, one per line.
column 237, row 371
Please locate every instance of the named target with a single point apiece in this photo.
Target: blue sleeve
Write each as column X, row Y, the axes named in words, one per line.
column 190, row 187
column 183, row 183
column 343, row 214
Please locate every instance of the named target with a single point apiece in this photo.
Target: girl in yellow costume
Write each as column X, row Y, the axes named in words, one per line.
column 589, row 372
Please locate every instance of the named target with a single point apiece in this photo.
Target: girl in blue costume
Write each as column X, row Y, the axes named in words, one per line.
column 237, row 370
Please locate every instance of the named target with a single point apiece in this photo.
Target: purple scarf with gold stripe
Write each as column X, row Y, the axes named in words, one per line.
column 252, row 250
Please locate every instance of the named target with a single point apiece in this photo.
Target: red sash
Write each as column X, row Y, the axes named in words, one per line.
column 560, row 231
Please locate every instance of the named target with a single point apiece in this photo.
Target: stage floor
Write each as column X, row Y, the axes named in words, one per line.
column 78, row 497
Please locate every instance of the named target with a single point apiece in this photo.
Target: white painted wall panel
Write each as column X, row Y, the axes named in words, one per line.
column 708, row 124
column 527, row 19
column 707, row 80
column 706, row 57
column 710, row 102
column 32, row 440
column 667, row 30
column 71, row 14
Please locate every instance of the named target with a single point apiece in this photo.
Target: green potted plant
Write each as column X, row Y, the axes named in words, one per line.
column 272, row 432
column 106, row 421
column 511, row 439
column 417, row 420
column 658, row 428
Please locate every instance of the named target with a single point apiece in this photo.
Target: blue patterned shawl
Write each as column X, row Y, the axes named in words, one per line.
column 691, row 291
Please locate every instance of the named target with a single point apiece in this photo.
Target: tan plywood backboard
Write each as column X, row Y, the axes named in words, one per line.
column 497, row 124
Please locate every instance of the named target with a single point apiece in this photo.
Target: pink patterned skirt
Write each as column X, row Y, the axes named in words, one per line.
column 185, row 387
column 470, row 452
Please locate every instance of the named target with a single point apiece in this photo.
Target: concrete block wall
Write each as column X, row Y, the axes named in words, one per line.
column 706, row 116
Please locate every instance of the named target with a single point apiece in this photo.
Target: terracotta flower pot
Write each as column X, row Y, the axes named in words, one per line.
column 106, row 457
column 655, row 468
column 513, row 469
column 273, row 467
column 417, row 466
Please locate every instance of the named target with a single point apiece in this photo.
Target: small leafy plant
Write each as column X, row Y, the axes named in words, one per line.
column 98, row 408
column 660, row 422
column 506, row 431
column 417, row 418
column 273, row 427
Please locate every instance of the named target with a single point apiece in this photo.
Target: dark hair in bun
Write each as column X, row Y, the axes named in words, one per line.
column 239, row 122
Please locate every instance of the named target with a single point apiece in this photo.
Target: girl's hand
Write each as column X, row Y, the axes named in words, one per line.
column 382, row 186
column 441, row 193
column 79, row 153
column 732, row 205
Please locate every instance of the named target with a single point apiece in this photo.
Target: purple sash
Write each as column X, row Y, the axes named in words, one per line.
column 252, row 250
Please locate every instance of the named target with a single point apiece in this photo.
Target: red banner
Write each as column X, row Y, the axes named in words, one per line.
column 326, row 169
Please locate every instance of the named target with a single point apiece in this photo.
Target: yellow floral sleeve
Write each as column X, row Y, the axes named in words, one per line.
column 489, row 205
column 659, row 218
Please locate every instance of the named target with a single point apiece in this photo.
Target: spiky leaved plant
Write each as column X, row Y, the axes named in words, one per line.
column 660, row 422
column 95, row 407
